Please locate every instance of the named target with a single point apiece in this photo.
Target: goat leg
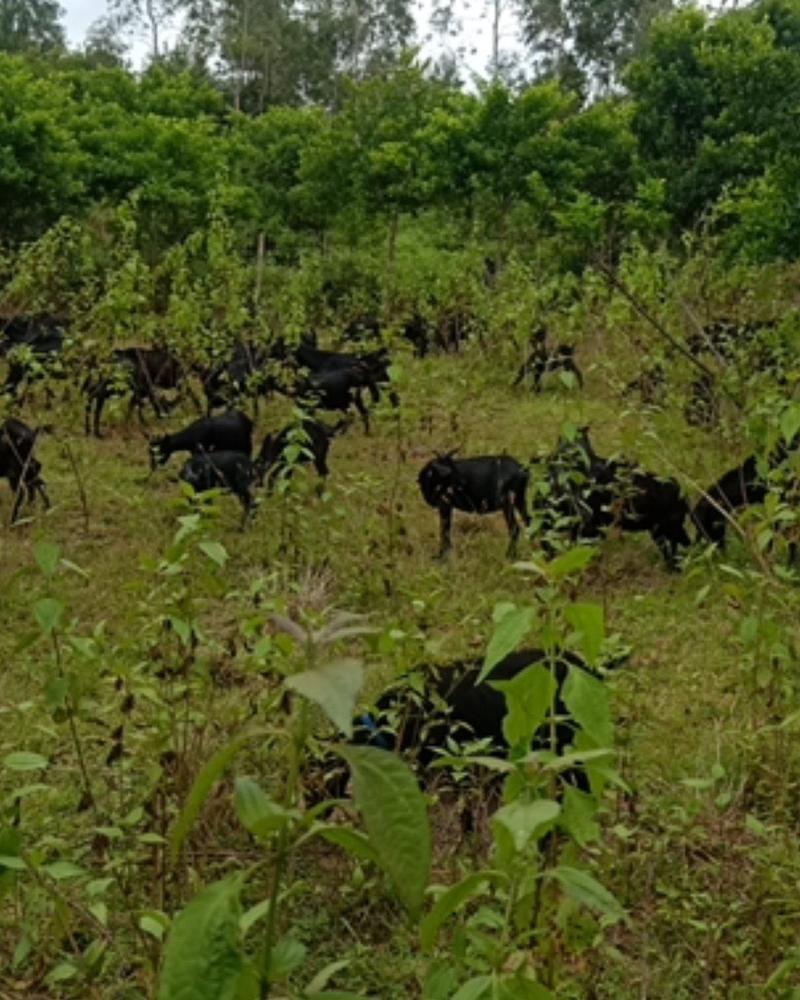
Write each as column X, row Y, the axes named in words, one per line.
column 445, row 524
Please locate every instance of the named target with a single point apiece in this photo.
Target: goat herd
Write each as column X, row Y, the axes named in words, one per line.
column 579, row 496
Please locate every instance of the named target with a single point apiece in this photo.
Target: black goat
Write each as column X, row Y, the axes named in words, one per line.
column 419, row 715
column 312, row 438
column 228, row 432
column 35, row 344
column 229, row 470
column 245, row 373
column 588, row 494
column 333, row 389
column 739, row 487
column 368, row 370
column 18, row 465
column 480, row 485
column 139, row 371
column 416, row 329
column 543, row 359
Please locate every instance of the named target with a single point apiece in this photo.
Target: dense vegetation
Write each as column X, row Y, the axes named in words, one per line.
column 168, row 677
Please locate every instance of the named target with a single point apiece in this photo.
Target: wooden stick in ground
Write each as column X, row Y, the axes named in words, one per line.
column 79, row 480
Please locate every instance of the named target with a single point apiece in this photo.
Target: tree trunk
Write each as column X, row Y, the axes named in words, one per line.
column 394, row 224
column 260, row 248
column 152, row 18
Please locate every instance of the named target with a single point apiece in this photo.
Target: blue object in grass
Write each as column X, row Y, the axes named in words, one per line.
column 375, row 738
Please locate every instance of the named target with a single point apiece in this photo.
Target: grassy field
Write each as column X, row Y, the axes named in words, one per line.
column 702, row 852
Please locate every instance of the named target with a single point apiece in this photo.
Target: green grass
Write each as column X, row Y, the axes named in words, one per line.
column 710, row 893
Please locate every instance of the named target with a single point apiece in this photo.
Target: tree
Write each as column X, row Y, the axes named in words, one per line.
column 716, row 100
column 151, row 16
column 27, row 25
column 293, row 52
column 587, row 41
column 41, row 166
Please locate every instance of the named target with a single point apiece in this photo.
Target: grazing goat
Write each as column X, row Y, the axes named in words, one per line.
column 244, row 374
column 416, row 329
column 312, row 438
column 230, row 470
column 420, row 715
column 228, row 432
column 41, row 338
column 739, row 487
column 18, row 465
column 334, row 389
column 543, row 360
column 588, row 494
column 480, row 485
column 139, row 371
column 368, row 370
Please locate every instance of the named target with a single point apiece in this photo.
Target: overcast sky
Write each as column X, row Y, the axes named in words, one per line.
column 78, row 15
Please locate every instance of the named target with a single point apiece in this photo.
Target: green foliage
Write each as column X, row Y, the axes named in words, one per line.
column 394, row 812
column 203, row 956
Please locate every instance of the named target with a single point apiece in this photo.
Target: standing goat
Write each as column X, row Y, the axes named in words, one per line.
column 480, row 485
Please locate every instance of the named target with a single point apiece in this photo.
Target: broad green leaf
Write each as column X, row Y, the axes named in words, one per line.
column 152, row 927
column 524, row 820
column 216, row 553
column 520, row 988
column 586, row 698
column 577, row 817
column 23, row 760
column 61, row 972
column 46, row 555
column 353, row 841
column 790, row 422
column 394, row 811
column 209, row 775
column 570, row 562
column 585, row 889
column 47, row 613
column 256, row 811
column 324, row 976
column 587, row 620
column 474, row 989
column 440, row 980
column 181, row 628
column 12, row 862
column 529, row 697
column 251, row 917
column 450, row 901
column 334, row 688
column 203, row 957
column 287, row 955
column 60, row 870
column 512, row 628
